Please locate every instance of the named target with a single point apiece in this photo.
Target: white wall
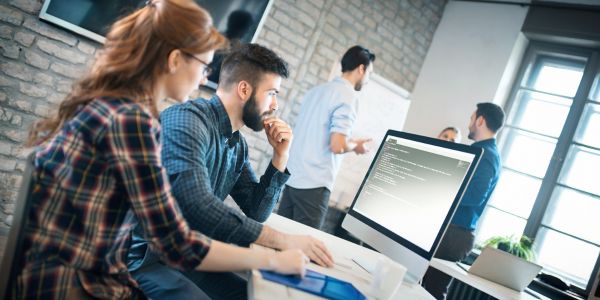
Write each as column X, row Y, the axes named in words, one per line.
column 472, row 58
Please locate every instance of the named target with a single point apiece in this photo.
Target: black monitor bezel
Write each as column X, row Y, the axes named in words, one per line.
column 478, row 152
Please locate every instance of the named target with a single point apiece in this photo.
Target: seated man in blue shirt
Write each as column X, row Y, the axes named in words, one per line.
column 206, row 158
column 459, row 237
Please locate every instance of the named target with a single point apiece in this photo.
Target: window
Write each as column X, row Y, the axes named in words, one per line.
column 549, row 188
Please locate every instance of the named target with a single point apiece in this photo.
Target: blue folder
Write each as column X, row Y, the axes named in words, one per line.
column 318, row 284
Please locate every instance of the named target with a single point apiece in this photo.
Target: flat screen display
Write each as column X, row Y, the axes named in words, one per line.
column 238, row 20
column 411, row 188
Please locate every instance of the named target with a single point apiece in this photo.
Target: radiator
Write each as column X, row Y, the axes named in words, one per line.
column 462, row 291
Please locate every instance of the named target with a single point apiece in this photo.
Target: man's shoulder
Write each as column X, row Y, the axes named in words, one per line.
column 196, row 111
column 334, row 90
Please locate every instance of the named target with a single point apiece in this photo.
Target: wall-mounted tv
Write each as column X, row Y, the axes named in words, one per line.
column 92, row 18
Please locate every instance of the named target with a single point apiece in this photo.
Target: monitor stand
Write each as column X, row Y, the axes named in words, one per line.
column 369, row 266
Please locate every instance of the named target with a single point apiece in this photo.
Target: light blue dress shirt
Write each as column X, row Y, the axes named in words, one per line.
column 327, row 108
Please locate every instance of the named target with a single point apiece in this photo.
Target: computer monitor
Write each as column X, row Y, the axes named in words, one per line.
column 408, row 197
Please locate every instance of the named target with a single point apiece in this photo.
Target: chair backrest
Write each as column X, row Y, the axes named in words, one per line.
column 14, row 243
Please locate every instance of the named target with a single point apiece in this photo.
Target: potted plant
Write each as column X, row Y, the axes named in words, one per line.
column 521, row 247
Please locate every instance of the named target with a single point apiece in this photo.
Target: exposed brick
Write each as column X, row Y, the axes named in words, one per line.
column 307, row 19
column 309, row 8
column 317, row 3
column 5, row 147
column 273, row 37
column 21, row 151
column 43, row 78
column 30, row 6
column 64, row 86
column 56, row 98
column 86, row 47
column 50, row 32
column 66, row 70
column 333, row 20
column 36, row 60
column 16, row 120
column 9, row 208
column 370, row 23
column 6, row 32
column 7, row 164
column 32, row 90
column 16, row 70
column 10, row 15
column 24, row 105
column 15, row 135
column 10, row 49
column 62, row 52
column 43, row 110
column 5, row 81
column 5, row 114
column 24, row 38
column 20, row 166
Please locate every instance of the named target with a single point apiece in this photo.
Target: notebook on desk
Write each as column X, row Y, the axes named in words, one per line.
column 504, row 268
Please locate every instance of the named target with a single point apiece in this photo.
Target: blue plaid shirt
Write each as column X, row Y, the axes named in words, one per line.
column 206, row 162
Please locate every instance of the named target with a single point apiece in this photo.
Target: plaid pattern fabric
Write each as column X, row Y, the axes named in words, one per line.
column 101, row 170
column 206, row 162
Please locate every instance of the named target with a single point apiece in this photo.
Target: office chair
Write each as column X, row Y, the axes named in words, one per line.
column 12, row 252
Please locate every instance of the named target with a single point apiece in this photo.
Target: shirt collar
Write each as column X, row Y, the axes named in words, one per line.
column 490, row 141
column 344, row 81
column 224, row 121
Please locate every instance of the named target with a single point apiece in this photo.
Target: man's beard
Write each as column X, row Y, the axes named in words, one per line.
column 471, row 135
column 358, row 86
column 251, row 116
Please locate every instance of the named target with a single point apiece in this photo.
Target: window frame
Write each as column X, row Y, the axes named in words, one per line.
column 523, row 81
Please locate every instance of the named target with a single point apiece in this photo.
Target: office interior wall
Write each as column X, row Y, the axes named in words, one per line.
column 313, row 34
column 39, row 62
column 472, row 58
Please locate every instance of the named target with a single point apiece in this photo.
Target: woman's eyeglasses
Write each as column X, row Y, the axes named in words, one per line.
column 207, row 69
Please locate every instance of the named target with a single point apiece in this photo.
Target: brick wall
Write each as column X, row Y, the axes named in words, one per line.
column 38, row 63
column 313, row 34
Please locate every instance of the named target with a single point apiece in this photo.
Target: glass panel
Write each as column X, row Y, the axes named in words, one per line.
column 541, row 113
column 566, row 256
column 494, row 222
column 527, row 153
column 595, row 91
column 574, row 213
column 588, row 132
column 581, row 170
column 515, row 193
column 560, row 79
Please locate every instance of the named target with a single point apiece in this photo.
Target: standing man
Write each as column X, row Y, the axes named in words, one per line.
column 323, row 131
column 459, row 237
column 206, row 158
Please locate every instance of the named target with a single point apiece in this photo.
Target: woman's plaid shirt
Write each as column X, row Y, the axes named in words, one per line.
column 102, row 168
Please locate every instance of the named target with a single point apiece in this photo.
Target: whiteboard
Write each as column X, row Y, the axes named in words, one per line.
column 382, row 105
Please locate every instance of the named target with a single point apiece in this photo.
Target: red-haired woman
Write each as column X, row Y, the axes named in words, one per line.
column 98, row 165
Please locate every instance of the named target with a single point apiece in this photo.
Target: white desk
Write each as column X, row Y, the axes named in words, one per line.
column 345, row 268
column 491, row 288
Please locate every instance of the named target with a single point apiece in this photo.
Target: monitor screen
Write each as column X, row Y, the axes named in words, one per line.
column 411, row 191
column 238, row 20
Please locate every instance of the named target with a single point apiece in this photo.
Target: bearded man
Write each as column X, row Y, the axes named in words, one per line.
column 206, row 158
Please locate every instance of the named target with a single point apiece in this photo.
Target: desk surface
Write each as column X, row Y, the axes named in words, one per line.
column 491, row 288
column 345, row 269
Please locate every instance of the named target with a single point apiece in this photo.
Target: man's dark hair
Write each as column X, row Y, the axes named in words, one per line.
column 238, row 23
column 249, row 62
column 355, row 57
column 493, row 115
